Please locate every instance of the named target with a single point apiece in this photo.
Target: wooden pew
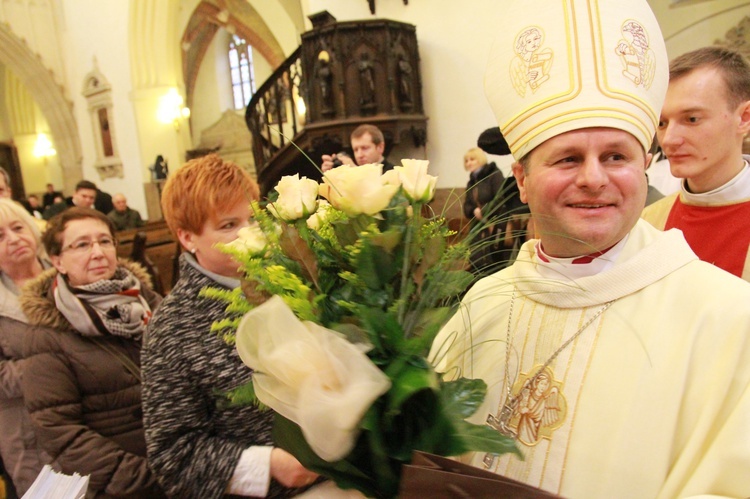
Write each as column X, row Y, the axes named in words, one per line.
column 161, row 249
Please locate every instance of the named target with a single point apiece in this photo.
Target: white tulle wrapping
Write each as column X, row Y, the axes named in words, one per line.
column 310, row 375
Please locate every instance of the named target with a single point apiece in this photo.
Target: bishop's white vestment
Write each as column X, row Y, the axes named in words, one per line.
column 650, row 400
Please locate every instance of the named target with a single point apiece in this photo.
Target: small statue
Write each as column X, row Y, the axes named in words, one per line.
column 404, row 82
column 366, row 82
column 324, row 77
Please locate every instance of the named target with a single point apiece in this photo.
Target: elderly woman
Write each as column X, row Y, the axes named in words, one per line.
column 81, row 381
column 22, row 258
column 197, row 445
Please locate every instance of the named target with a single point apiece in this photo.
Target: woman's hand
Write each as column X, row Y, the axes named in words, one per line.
column 288, row 471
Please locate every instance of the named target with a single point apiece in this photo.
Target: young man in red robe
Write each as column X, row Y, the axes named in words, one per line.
column 705, row 118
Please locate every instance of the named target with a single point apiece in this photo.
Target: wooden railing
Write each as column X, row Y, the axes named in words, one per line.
column 344, row 75
column 272, row 114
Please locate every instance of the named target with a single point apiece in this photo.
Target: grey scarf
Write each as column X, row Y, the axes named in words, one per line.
column 107, row 307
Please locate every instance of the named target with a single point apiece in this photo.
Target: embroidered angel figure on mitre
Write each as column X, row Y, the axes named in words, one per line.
column 530, row 68
column 637, row 58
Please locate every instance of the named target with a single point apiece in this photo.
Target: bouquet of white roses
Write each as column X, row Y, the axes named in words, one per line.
column 341, row 301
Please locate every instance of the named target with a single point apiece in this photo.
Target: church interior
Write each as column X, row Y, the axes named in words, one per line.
column 122, row 93
column 96, row 89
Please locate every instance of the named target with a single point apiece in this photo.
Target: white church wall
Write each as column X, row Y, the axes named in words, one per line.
column 278, row 19
column 5, row 134
column 211, row 95
column 99, row 29
column 262, row 68
column 39, row 23
column 692, row 25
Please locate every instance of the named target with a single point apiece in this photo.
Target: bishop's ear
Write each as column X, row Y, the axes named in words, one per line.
column 520, row 173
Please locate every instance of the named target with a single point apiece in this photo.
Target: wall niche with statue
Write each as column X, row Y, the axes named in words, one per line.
column 98, row 94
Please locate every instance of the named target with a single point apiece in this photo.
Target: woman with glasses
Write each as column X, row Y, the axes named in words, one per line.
column 81, row 382
column 22, row 258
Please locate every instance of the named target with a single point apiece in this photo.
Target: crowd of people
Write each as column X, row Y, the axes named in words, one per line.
column 613, row 374
column 85, row 195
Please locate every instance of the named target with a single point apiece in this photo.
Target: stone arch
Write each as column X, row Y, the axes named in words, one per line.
column 240, row 18
column 16, row 55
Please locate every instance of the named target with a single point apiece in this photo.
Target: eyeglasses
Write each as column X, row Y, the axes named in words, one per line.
column 85, row 246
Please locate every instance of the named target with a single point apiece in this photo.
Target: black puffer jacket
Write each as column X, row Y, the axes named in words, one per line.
column 484, row 185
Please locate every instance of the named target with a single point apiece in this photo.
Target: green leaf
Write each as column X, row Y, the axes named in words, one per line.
column 345, row 232
column 408, row 377
column 431, row 318
column 388, row 240
column 432, row 251
column 375, row 266
column 383, row 327
column 481, row 438
column 396, row 214
column 287, row 435
column 241, row 396
column 352, row 332
column 419, row 424
column 462, row 397
column 385, row 470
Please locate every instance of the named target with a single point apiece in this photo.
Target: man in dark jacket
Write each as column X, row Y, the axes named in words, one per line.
column 368, row 145
column 123, row 216
column 88, row 195
column 49, row 197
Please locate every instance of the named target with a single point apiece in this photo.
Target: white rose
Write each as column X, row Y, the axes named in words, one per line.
column 417, row 185
column 391, row 177
column 320, row 217
column 297, row 198
column 310, row 375
column 357, row 189
column 250, row 239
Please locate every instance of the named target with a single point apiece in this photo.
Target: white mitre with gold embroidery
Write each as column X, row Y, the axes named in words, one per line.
column 562, row 65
